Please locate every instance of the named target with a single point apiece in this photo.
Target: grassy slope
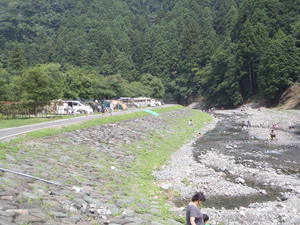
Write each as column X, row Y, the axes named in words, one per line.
column 138, row 182
column 11, row 145
column 150, row 155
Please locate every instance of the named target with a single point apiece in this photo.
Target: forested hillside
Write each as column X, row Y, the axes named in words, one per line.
column 226, row 51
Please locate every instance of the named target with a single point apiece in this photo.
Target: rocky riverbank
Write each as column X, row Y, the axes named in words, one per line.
column 100, row 184
column 232, row 167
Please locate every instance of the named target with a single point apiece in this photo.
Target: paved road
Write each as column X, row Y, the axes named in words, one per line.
column 8, row 133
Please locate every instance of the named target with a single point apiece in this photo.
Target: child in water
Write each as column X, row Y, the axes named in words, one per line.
column 205, row 219
column 272, row 135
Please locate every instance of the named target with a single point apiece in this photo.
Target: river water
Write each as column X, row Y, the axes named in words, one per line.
column 228, row 138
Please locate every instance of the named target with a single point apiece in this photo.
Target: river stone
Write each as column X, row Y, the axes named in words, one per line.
column 29, row 195
column 79, row 202
column 165, row 186
column 88, row 199
column 128, row 213
column 155, row 223
column 296, row 221
column 9, row 198
column 263, row 192
column 284, row 196
column 75, row 218
column 84, row 223
column 59, row 214
column 6, row 221
column 18, row 211
column 174, row 222
column 5, row 206
column 25, row 219
column 7, row 214
column 240, row 180
column 120, row 221
column 64, row 158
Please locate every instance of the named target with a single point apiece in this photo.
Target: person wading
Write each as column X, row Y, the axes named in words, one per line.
column 193, row 213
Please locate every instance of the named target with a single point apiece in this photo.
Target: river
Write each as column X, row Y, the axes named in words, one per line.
column 229, row 138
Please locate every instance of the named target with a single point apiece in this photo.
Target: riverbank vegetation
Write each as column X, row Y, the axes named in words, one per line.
column 225, row 51
column 119, row 172
column 11, row 146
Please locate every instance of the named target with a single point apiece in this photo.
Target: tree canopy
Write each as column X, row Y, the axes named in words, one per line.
column 226, row 51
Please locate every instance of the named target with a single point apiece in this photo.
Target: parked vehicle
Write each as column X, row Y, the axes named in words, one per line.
column 129, row 102
column 76, row 107
column 142, row 101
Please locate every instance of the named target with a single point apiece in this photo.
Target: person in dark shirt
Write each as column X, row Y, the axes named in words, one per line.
column 193, row 213
column 272, row 135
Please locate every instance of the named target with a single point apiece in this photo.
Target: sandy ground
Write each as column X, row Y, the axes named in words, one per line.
column 220, row 175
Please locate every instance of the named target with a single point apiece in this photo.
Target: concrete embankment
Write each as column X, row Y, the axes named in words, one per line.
column 106, row 173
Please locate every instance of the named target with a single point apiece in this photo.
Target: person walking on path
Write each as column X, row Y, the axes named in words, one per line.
column 193, row 213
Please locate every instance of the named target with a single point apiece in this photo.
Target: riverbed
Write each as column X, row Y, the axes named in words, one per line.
column 247, row 178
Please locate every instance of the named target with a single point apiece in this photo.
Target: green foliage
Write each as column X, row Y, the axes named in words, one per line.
column 217, row 81
column 105, row 47
column 280, row 66
column 41, row 83
column 5, row 82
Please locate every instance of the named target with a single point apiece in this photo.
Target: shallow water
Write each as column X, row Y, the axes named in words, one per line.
column 247, row 151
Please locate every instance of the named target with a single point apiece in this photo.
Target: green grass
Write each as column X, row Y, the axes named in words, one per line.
column 150, row 155
column 137, row 181
column 99, row 122
column 12, row 146
column 7, row 123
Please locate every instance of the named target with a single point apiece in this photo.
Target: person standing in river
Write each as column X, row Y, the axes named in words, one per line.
column 193, row 213
column 272, row 135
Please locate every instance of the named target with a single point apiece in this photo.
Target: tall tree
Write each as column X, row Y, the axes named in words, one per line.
column 279, row 67
column 41, row 84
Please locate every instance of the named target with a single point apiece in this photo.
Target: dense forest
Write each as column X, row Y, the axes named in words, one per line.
column 227, row 52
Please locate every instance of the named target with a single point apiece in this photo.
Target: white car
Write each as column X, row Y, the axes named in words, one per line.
column 79, row 108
